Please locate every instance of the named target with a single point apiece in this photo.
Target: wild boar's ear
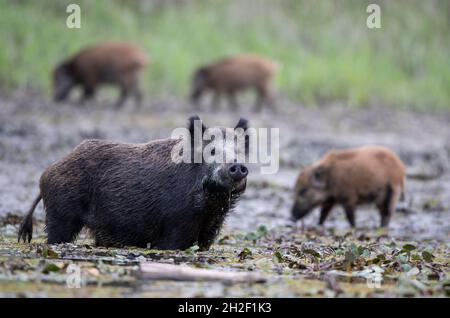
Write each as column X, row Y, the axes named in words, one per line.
column 195, row 120
column 320, row 177
column 243, row 123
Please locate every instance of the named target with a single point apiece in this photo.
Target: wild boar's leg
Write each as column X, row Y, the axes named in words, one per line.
column 208, row 233
column 215, row 103
column 62, row 226
column 387, row 207
column 259, row 100
column 232, row 100
column 271, row 102
column 325, row 211
column 138, row 96
column 349, row 208
column 264, row 96
column 129, row 86
column 181, row 236
column 122, row 97
column 88, row 93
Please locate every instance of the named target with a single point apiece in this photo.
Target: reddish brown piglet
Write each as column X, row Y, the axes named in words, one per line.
column 370, row 174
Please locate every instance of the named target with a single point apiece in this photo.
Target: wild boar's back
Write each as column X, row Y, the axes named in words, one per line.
column 113, row 57
column 365, row 168
column 249, row 69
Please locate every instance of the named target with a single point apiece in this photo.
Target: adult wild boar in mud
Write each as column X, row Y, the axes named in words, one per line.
column 234, row 74
column 137, row 195
column 370, row 174
column 115, row 63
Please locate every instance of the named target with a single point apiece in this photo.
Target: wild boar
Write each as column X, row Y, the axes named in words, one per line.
column 115, row 63
column 135, row 194
column 369, row 174
column 231, row 75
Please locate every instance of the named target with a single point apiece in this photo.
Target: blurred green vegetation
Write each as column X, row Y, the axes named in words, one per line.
column 327, row 52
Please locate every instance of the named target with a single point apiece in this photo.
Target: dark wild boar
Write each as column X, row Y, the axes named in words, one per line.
column 234, row 74
column 113, row 63
column 370, row 174
column 135, row 195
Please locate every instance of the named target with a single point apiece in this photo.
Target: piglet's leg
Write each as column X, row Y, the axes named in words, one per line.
column 89, row 85
column 349, row 208
column 215, row 103
column 123, row 96
column 387, row 207
column 232, row 100
column 135, row 89
column 138, row 96
column 260, row 97
column 264, row 96
column 88, row 93
column 325, row 211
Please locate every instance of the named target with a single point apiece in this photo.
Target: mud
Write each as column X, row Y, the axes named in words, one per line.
column 35, row 132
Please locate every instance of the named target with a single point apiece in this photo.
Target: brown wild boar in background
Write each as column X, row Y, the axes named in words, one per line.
column 114, row 63
column 234, row 74
column 370, row 174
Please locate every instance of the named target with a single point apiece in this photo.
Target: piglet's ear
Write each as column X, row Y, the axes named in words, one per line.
column 243, row 123
column 193, row 122
column 320, row 177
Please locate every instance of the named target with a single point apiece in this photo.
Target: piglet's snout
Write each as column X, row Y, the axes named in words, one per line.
column 237, row 172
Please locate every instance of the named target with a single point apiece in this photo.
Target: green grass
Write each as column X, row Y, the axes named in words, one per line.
column 326, row 50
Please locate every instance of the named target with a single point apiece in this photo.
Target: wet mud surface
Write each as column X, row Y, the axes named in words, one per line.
column 298, row 259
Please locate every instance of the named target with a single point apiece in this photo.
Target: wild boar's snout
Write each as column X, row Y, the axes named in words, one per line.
column 238, row 172
column 61, row 92
column 299, row 211
column 198, row 84
column 231, row 176
column 195, row 95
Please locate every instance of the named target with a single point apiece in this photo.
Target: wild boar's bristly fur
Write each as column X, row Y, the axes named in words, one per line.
column 370, row 174
column 134, row 195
